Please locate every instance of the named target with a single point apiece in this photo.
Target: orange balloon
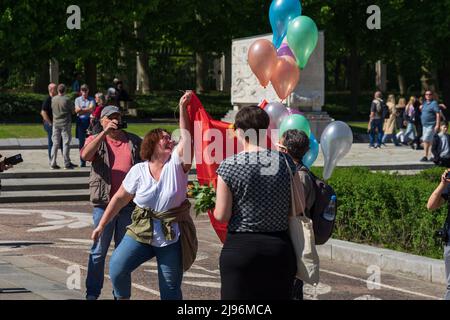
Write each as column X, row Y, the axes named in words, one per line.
column 262, row 57
column 285, row 76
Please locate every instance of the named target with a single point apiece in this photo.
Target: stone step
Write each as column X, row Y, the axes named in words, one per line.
column 45, row 184
column 42, row 174
column 44, row 196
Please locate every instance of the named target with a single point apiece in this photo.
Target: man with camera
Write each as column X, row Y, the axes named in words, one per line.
column 112, row 153
column 3, row 165
column 436, row 200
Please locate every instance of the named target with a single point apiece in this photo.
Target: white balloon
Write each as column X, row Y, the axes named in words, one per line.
column 335, row 142
column 277, row 112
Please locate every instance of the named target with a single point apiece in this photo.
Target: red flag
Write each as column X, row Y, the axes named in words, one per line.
column 202, row 123
column 214, row 141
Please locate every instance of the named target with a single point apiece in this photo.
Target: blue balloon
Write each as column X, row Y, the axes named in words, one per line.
column 311, row 155
column 282, row 12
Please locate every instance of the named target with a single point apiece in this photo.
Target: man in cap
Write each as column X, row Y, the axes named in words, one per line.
column 112, row 153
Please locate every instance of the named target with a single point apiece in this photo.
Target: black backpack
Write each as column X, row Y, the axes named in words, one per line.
column 385, row 113
column 323, row 228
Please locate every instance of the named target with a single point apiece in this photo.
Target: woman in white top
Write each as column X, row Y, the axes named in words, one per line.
column 159, row 184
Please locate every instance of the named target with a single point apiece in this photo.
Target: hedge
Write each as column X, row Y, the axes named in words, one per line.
column 388, row 210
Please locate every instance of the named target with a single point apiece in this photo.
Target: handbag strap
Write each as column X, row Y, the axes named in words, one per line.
column 296, row 185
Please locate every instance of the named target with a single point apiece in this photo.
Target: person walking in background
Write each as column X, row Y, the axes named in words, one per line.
column 47, row 118
column 390, row 123
column 409, row 117
column 257, row 260
column 418, row 124
column 162, row 226
column 296, row 144
column 375, row 126
column 62, row 109
column 442, row 107
column 112, row 153
column 84, row 105
column 400, row 124
column 438, row 198
column 430, row 121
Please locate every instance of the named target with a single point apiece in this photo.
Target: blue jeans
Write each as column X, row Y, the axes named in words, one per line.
column 131, row 254
column 376, row 124
column 410, row 132
column 49, row 129
column 82, row 126
column 390, row 136
column 99, row 250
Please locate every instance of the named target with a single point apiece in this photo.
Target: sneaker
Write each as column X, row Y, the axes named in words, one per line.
column 73, row 165
column 372, row 147
column 69, row 167
column 83, row 165
column 424, row 159
column 431, row 159
column 55, row 167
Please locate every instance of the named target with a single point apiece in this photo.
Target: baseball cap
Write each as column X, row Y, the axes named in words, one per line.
column 109, row 110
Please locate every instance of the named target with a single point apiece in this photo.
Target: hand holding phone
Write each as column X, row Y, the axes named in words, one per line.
column 11, row 161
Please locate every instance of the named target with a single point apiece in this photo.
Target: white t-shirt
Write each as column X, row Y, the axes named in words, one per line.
column 167, row 193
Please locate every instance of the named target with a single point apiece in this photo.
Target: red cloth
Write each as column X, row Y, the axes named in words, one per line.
column 201, row 123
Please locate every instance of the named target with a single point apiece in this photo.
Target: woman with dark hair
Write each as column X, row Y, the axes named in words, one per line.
column 253, row 195
column 161, row 223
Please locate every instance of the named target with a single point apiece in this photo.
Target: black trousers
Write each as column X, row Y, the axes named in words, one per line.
column 259, row 266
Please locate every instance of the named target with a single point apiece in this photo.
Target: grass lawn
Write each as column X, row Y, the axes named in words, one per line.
column 26, row 131
column 358, row 127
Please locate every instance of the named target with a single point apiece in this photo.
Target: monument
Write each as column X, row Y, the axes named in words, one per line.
column 308, row 96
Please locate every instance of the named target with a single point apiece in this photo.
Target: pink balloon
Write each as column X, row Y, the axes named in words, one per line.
column 285, row 77
column 285, row 51
column 294, row 111
column 262, row 57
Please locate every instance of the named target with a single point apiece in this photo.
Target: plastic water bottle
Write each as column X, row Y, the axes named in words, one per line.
column 330, row 212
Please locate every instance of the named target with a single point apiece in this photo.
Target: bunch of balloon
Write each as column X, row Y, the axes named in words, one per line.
column 335, row 142
column 282, row 68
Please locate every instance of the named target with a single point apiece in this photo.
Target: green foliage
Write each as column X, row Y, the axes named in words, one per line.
column 205, row 197
column 20, row 107
column 388, row 210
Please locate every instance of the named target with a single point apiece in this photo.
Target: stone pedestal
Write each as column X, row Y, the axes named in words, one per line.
column 308, row 96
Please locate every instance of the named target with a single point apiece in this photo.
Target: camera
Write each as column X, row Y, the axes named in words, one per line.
column 442, row 234
column 11, row 161
column 122, row 125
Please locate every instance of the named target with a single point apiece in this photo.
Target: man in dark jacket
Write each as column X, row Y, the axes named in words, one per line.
column 441, row 146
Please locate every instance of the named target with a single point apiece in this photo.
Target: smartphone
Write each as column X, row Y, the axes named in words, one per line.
column 447, row 176
column 11, row 161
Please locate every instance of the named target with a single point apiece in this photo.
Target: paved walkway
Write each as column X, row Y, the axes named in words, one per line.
column 34, row 152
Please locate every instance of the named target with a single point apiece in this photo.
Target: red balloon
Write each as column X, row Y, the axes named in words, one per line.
column 262, row 57
column 285, row 76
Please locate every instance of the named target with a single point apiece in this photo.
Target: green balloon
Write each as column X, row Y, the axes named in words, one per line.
column 302, row 36
column 295, row 121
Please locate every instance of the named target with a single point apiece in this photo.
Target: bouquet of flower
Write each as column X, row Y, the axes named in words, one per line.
column 205, row 197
